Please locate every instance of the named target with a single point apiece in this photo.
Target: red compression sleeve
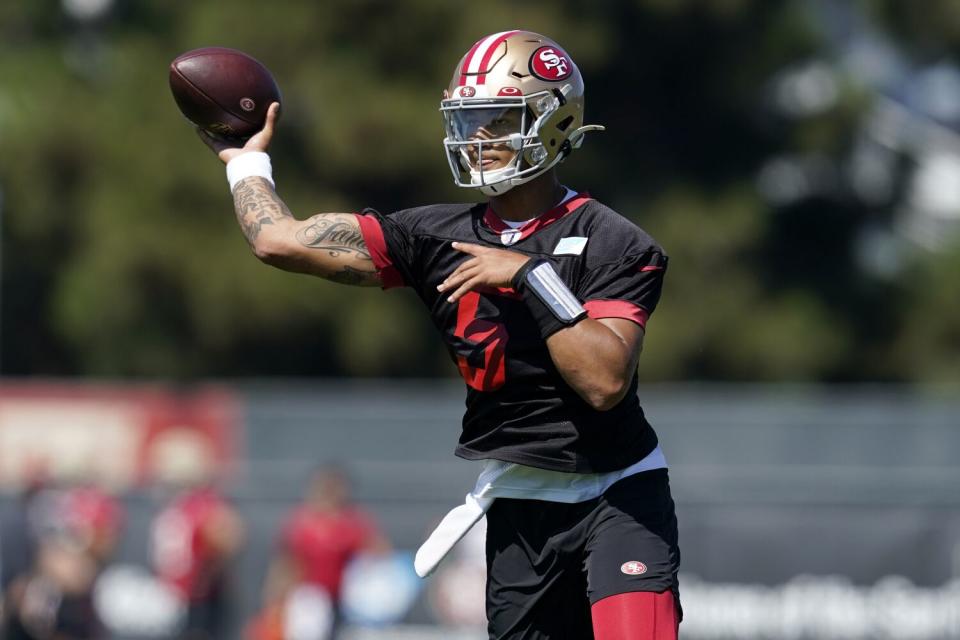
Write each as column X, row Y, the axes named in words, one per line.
column 639, row 615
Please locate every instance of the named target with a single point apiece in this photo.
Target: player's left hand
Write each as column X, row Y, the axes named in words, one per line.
column 487, row 267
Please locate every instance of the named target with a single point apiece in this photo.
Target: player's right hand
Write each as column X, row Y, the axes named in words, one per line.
column 227, row 149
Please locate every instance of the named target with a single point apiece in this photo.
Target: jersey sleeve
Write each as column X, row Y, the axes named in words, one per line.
column 628, row 288
column 392, row 247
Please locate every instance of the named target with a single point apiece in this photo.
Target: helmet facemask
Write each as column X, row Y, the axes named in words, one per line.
column 478, row 129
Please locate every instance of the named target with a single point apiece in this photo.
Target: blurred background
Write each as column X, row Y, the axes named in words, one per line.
column 181, row 427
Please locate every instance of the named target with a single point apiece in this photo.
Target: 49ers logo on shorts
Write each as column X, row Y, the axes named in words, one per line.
column 551, row 64
column 633, row 568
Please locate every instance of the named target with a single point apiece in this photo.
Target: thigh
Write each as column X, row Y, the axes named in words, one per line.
column 536, row 587
column 633, row 545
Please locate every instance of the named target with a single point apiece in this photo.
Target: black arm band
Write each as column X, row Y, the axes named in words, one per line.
column 548, row 298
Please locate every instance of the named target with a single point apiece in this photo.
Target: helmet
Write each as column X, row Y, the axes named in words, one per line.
column 518, row 89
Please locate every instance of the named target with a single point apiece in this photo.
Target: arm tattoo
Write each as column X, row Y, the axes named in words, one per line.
column 349, row 275
column 257, row 204
column 334, row 234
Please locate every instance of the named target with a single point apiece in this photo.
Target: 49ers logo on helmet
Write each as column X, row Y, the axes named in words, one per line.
column 467, row 92
column 550, row 63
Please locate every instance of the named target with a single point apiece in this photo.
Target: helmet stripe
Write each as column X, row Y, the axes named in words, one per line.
column 479, row 56
column 489, row 54
column 466, row 61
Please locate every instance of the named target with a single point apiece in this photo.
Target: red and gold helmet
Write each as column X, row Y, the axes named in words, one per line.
column 521, row 90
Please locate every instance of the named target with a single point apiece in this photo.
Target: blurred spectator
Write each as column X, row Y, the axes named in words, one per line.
column 55, row 600
column 19, row 533
column 66, row 537
column 196, row 537
column 318, row 540
column 19, row 539
column 93, row 519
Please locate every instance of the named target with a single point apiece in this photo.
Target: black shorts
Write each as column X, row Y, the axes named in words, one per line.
column 547, row 562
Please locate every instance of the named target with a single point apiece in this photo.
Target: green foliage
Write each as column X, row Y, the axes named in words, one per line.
column 928, row 345
column 121, row 256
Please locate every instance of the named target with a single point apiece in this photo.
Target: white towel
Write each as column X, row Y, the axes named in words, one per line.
column 448, row 533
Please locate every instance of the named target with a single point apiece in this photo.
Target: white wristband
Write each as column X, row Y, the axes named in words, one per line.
column 247, row 165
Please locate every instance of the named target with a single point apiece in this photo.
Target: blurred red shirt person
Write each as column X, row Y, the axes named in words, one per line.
column 322, row 536
column 317, row 542
column 94, row 518
column 192, row 537
column 196, row 537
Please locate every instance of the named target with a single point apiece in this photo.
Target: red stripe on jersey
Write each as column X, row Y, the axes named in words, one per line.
column 377, row 246
column 506, row 292
column 597, row 309
column 496, row 224
column 651, row 267
column 467, row 60
column 482, row 79
column 494, row 221
column 636, row 615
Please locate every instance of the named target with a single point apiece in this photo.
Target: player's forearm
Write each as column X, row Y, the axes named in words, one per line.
column 328, row 245
column 262, row 215
column 596, row 362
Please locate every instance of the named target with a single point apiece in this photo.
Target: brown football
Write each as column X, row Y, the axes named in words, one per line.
column 223, row 90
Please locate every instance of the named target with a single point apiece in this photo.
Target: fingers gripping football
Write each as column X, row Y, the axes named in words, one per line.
column 229, row 148
column 486, row 267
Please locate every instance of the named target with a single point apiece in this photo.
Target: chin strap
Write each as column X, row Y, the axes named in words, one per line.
column 500, row 186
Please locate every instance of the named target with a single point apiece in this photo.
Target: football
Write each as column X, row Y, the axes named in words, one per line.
column 222, row 90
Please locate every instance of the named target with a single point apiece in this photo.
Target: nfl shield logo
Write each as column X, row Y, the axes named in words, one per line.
column 509, row 236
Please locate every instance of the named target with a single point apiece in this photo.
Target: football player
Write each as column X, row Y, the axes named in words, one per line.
column 541, row 296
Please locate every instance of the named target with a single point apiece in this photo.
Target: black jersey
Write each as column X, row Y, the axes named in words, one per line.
column 519, row 409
